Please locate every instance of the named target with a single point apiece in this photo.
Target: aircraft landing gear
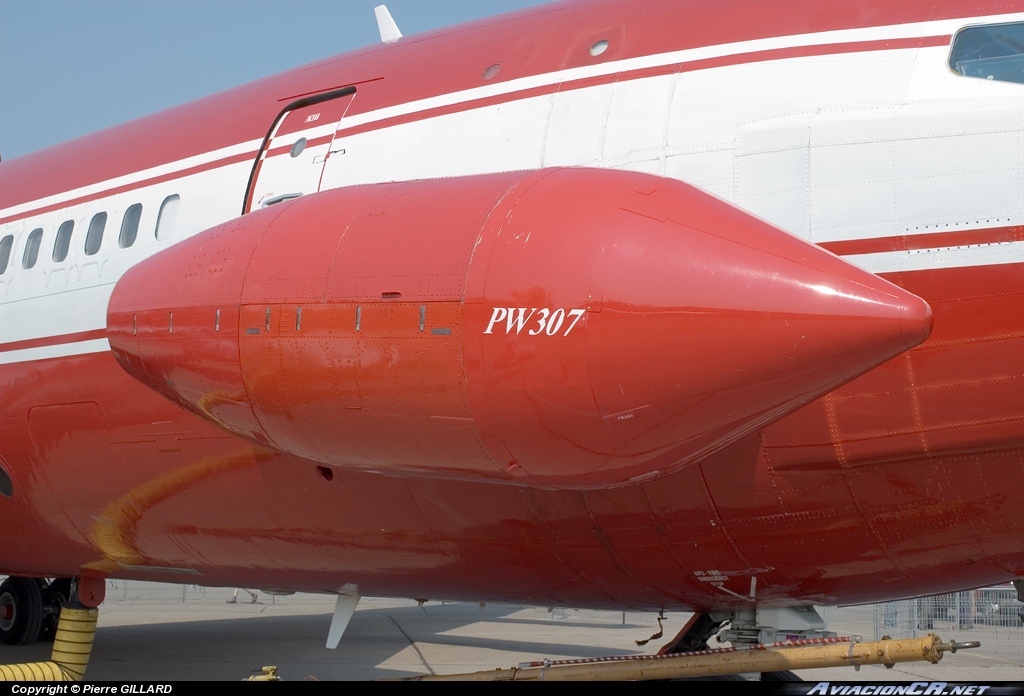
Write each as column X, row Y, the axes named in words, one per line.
column 21, row 611
column 76, row 628
column 56, row 596
column 749, row 627
column 697, row 632
column 30, row 609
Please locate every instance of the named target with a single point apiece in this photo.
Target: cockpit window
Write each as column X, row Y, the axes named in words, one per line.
column 994, row 52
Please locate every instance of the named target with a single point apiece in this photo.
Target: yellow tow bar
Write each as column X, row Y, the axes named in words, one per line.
column 776, row 657
column 71, row 650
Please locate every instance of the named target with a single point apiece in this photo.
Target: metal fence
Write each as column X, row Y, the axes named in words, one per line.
column 989, row 615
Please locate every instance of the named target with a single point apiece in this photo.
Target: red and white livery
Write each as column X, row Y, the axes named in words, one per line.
column 661, row 304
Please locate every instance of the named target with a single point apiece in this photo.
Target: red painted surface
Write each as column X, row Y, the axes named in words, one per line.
column 182, row 494
column 926, row 240
column 495, row 346
column 902, row 482
column 92, row 589
column 53, row 340
column 669, row 69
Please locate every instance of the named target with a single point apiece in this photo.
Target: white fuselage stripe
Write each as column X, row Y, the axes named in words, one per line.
column 913, row 30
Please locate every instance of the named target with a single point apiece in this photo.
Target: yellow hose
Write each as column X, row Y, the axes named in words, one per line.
column 71, row 650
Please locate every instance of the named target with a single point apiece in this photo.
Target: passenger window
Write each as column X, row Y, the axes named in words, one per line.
column 167, row 217
column 994, row 52
column 5, row 252
column 31, row 254
column 94, row 237
column 130, row 226
column 62, row 243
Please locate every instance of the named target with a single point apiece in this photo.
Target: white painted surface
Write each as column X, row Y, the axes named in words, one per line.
column 838, row 147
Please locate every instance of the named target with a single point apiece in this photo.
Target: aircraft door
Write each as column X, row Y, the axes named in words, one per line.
column 292, row 158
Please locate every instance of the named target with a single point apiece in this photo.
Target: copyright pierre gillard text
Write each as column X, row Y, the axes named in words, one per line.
column 58, row 689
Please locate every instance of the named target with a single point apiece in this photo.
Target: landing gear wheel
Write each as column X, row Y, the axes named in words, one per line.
column 55, row 596
column 21, row 611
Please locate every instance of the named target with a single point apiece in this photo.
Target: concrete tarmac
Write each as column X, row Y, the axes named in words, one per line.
column 154, row 632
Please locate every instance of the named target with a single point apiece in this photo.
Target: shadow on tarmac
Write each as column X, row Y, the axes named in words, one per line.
column 165, row 643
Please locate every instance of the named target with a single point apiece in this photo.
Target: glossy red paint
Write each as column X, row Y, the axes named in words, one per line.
column 184, row 495
column 570, row 328
column 902, row 482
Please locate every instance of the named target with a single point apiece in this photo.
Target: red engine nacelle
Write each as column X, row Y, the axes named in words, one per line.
column 570, row 327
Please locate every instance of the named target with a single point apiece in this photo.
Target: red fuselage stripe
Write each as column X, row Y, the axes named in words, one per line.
column 198, row 169
column 704, row 64
column 933, row 240
column 657, row 71
column 295, row 97
column 46, row 341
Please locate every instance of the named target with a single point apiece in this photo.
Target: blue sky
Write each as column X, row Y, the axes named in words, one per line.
column 70, row 67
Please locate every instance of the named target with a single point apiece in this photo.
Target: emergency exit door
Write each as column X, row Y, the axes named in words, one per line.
column 292, row 158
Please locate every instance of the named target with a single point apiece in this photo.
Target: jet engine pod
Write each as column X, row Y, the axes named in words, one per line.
column 569, row 328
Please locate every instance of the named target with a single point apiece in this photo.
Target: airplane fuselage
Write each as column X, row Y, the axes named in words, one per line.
column 846, row 127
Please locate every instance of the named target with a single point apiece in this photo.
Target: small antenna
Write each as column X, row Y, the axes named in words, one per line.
column 389, row 32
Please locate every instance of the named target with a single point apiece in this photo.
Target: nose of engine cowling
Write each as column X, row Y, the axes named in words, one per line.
column 699, row 324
